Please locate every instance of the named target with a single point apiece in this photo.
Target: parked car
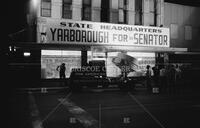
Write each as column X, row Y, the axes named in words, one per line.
column 92, row 75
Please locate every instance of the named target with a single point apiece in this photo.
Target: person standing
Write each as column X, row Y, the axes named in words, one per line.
column 148, row 77
column 156, row 75
column 61, row 68
column 171, row 78
column 163, row 78
column 178, row 78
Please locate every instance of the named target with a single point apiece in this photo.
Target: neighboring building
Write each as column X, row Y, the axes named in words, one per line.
column 184, row 25
column 77, row 31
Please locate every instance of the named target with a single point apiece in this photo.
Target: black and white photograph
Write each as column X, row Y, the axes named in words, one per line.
column 100, row 64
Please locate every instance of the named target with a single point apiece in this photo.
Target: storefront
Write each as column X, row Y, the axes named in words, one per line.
column 75, row 43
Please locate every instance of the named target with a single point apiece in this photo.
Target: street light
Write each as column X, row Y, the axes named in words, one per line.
column 27, row 54
column 33, row 7
column 34, row 3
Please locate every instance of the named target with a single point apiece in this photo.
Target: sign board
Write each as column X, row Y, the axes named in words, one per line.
column 84, row 32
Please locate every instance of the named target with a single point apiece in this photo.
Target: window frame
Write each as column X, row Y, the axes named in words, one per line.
column 188, row 32
column 66, row 9
column 124, row 11
column 138, row 12
column 46, row 9
column 84, row 9
column 174, row 28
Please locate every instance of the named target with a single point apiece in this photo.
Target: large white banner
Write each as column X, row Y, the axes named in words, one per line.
column 82, row 32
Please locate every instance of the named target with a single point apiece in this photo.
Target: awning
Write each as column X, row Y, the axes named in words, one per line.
column 145, row 49
column 87, row 46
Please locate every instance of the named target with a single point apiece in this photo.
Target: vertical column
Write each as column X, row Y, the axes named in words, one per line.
column 78, row 4
column 158, row 8
column 114, row 16
column 36, row 68
column 146, row 12
column 159, row 59
column 96, row 10
column 83, row 57
column 76, row 9
column 121, row 15
column 56, row 9
column 131, row 12
column 121, row 11
column 160, row 12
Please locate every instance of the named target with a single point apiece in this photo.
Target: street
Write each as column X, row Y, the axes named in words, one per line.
column 98, row 108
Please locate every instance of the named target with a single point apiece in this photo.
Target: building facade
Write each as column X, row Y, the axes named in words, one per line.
column 184, row 26
column 59, row 32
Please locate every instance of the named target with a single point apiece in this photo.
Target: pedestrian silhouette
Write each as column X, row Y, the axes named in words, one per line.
column 61, row 68
column 163, row 78
column 148, row 77
column 178, row 78
column 171, row 78
column 156, row 75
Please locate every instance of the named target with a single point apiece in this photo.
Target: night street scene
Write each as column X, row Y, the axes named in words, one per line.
column 100, row 64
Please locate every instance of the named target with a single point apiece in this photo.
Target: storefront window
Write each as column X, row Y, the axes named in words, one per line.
column 141, row 59
column 89, row 56
column 112, row 69
column 135, row 68
column 50, row 59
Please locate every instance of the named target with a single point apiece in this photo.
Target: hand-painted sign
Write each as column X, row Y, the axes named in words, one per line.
column 81, row 32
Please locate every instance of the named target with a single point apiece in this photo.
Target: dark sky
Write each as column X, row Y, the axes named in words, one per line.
column 15, row 15
column 14, row 18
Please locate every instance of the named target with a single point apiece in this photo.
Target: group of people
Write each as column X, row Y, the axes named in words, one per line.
column 165, row 77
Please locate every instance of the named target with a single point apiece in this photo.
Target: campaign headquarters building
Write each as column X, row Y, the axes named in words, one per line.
column 75, row 32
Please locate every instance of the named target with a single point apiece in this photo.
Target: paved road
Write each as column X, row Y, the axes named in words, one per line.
column 103, row 109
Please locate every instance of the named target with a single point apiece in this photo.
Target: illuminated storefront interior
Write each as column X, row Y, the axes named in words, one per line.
column 50, row 59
